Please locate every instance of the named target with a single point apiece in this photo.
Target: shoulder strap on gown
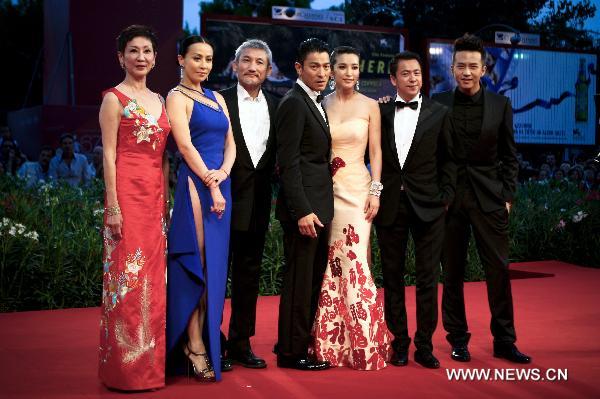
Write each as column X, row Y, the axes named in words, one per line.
column 123, row 99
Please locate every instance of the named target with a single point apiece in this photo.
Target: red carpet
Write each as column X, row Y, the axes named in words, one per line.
column 53, row 354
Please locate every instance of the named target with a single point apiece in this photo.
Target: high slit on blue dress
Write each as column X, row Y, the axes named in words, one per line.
column 187, row 279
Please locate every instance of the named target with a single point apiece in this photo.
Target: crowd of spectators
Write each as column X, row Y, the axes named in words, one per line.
column 64, row 164
column 582, row 171
column 69, row 165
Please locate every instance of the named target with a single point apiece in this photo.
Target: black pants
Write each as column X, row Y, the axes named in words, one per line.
column 393, row 240
column 491, row 236
column 305, row 263
column 245, row 258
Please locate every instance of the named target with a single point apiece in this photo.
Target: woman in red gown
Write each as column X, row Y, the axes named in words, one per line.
column 134, row 133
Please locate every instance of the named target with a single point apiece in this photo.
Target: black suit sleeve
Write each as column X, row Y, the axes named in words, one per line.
column 447, row 169
column 289, row 128
column 507, row 154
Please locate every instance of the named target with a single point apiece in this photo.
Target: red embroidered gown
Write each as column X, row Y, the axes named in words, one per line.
column 132, row 326
column 349, row 328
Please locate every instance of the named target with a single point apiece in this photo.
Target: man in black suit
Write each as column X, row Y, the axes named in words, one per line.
column 486, row 183
column 304, row 204
column 251, row 112
column 418, row 177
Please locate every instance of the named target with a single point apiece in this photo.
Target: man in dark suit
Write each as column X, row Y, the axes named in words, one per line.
column 418, row 183
column 486, row 183
column 304, row 204
column 251, row 112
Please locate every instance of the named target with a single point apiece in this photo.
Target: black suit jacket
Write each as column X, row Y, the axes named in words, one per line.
column 491, row 164
column 303, row 150
column 429, row 173
column 250, row 186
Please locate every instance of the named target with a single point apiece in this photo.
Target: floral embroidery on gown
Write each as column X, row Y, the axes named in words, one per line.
column 132, row 325
column 349, row 328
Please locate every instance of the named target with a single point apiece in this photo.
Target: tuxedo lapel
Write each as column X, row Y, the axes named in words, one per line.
column 388, row 113
column 271, row 140
column 422, row 125
column 314, row 110
column 243, row 154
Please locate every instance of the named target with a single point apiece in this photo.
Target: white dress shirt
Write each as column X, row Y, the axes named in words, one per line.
column 313, row 96
column 405, row 125
column 255, row 122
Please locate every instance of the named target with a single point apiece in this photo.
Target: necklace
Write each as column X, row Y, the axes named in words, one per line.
column 191, row 93
column 191, row 89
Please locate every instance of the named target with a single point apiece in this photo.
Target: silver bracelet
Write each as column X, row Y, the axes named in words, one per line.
column 375, row 188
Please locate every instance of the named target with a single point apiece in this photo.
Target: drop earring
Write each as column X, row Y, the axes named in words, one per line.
column 332, row 84
column 180, row 73
column 357, row 87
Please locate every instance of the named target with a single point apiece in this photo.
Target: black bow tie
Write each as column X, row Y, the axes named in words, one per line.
column 412, row 105
column 319, row 98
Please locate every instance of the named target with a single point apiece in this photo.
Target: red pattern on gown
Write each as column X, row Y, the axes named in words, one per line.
column 132, row 325
column 349, row 328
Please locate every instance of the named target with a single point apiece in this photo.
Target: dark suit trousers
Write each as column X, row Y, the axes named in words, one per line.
column 246, row 257
column 305, row 263
column 393, row 240
column 491, row 236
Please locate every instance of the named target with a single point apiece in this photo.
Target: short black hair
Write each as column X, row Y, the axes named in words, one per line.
column 468, row 42
column 133, row 31
column 47, row 148
column 312, row 45
column 404, row 56
column 66, row 136
column 188, row 41
column 342, row 50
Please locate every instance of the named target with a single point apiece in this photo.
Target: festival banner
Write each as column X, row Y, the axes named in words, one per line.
column 376, row 47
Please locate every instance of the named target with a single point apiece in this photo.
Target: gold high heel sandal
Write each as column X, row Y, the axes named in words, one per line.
column 201, row 375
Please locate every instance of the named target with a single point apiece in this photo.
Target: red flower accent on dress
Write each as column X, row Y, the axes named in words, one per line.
column 336, row 163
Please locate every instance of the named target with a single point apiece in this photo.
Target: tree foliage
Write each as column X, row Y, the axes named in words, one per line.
column 561, row 24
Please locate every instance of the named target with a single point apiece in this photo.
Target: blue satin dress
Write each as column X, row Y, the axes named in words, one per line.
column 187, row 279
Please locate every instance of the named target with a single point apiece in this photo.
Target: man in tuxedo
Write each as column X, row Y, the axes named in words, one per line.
column 418, row 177
column 304, row 204
column 251, row 112
column 486, row 183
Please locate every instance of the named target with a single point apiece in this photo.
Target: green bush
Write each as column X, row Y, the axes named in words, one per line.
column 51, row 246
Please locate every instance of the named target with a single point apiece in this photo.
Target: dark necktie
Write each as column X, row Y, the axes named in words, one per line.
column 412, row 105
column 319, row 98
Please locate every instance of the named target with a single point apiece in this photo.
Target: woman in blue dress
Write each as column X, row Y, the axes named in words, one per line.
column 199, row 233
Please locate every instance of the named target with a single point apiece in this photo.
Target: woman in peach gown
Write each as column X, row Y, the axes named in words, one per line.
column 349, row 328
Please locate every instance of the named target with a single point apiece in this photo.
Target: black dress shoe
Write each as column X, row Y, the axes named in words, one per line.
column 301, row 363
column 399, row 358
column 511, row 353
column 426, row 359
column 460, row 353
column 247, row 359
column 226, row 364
